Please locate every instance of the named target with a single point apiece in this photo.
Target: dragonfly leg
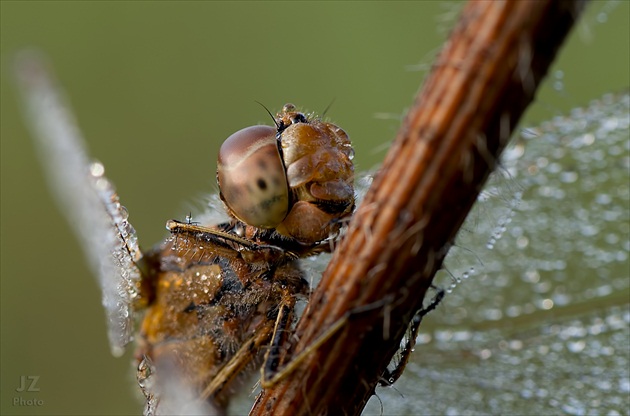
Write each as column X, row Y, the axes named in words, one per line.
column 271, row 373
column 243, row 356
column 390, row 376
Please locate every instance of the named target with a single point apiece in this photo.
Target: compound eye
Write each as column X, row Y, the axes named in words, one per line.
column 252, row 178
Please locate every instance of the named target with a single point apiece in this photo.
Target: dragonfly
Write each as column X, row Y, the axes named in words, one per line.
column 493, row 383
column 218, row 299
column 218, row 295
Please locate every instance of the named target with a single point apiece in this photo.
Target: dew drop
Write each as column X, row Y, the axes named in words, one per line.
column 485, row 354
column 97, row 169
column 576, row 346
column 522, row 242
column 568, row 177
column 603, row 199
column 124, row 214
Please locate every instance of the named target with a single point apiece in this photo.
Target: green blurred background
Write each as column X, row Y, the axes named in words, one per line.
column 156, row 87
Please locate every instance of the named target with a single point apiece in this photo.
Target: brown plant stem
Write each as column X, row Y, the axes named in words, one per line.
column 479, row 87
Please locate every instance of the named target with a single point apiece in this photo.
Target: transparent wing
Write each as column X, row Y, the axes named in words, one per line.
column 168, row 394
column 85, row 196
column 538, row 318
